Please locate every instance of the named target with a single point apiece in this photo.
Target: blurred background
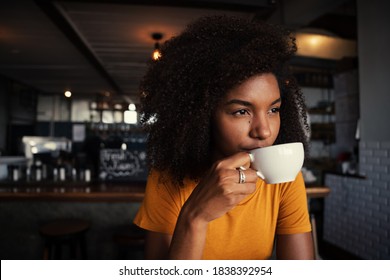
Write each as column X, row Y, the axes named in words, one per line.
column 71, row 145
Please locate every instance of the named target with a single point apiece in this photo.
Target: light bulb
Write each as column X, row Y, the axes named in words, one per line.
column 156, row 54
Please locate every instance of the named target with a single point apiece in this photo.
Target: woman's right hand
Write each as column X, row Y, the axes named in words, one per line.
column 220, row 191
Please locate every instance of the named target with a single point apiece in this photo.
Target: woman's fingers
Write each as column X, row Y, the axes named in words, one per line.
column 245, row 175
column 235, row 169
column 228, row 181
column 235, row 161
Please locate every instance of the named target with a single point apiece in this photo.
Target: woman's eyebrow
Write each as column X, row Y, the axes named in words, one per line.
column 238, row 101
column 246, row 103
column 276, row 101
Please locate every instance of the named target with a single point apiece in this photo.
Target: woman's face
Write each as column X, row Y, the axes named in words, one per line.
column 248, row 117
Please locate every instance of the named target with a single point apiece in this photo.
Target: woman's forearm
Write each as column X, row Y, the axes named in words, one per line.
column 189, row 238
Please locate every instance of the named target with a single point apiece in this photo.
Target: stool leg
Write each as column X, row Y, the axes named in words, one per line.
column 314, row 234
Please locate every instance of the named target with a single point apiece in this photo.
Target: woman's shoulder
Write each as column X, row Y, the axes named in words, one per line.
column 161, row 186
column 294, row 187
column 157, row 178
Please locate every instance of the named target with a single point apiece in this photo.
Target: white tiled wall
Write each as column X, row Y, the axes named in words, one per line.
column 357, row 212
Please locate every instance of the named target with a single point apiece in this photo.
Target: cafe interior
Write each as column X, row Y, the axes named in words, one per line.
column 73, row 154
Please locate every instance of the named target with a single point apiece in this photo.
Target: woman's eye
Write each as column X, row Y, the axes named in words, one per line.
column 275, row 110
column 240, row 112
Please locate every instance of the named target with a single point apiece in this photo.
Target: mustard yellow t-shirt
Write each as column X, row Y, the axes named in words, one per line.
column 245, row 232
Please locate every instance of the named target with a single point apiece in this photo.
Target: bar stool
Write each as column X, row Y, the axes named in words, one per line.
column 130, row 241
column 68, row 233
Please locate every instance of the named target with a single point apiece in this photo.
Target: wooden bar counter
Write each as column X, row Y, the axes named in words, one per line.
column 94, row 191
column 73, row 191
column 317, row 191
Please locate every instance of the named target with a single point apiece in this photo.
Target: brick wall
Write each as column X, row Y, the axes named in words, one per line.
column 357, row 212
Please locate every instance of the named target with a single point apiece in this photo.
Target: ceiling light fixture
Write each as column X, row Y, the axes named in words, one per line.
column 157, row 36
column 68, row 94
column 319, row 44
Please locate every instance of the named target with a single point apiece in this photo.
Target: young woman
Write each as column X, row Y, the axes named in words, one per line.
column 220, row 89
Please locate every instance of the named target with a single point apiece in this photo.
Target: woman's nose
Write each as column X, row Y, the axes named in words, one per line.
column 260, row 128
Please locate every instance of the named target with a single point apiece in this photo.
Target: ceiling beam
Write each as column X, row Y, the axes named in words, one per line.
column 236, row 5
column 58, row 18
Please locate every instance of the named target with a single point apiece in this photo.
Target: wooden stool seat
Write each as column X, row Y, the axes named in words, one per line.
column 65, row 232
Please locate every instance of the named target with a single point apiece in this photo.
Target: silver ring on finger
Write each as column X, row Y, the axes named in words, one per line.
column 242, row 177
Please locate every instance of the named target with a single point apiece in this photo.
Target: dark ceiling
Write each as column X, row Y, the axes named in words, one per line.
column 94, row 47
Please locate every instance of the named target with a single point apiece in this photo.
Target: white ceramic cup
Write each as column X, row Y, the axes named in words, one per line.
column 279, row 163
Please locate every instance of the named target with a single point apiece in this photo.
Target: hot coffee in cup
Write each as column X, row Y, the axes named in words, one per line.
column 279, row 163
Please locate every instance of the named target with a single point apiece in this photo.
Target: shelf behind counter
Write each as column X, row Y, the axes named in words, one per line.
column 73, row 191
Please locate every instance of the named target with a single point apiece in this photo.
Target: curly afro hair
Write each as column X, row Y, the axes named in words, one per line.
column 181, row 90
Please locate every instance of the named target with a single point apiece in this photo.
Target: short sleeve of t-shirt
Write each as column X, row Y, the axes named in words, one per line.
column 160, row 208
column 293, row 213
